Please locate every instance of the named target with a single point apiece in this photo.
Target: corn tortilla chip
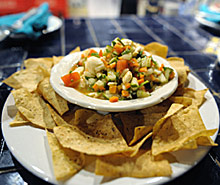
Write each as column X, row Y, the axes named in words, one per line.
column 26, row 78
column 69, row 116
column 186, row 101
column 192, row 119
column 86, row 116
column 179, row 130
column 197, row 96
column 137, row 124
column 45, row 63
column 19, row 120
column 33, row 108
column 156, row 48
column 77, row 49
column 59, row 103
column 172, row 110
column 182, row 70
column 104, row 139
column 66, row 162
column 142, row 165
column 56, row 117
column 56, row 59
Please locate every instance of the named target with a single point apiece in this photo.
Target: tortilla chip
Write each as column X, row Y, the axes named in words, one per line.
column 142, row 165
column 103, row 139
column 179, row 130
column 69, row 116
column 33, row 108
column 19, row 120
column 156, row 48
column 27, row 78
column 186, row 101
column 178, row 64
column 56, row 59
column 45, row 63
column 172, row 110
column 59, row 103
column 192, row 119
column 66, row 162
column 77, row 49
column 197, row 96
column 137, row 124
column 87, row 116
column 56, row 117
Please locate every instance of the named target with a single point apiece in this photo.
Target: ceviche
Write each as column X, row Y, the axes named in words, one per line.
column 120, row 71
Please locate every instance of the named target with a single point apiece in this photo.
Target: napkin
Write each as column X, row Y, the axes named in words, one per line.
column 214, row 16
column 32, row 27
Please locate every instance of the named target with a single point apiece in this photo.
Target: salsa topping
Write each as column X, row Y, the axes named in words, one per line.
column 120, row 71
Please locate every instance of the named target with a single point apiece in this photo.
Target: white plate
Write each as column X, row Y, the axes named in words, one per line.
column 74, row 96
column 30, row 148
column 208, row 23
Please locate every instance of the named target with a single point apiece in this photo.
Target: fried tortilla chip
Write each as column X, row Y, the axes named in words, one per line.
column 137, row 124
column 86, row 116
column 33, row 108
column 175, row 107
column 26, row 78
column 19, row 120
column 56, row 117
column 77, row 49
column 182, row 70
column 142, row 165
column 186, row 101
column 56, row 59
column 69, row 116
column 179, row 130
column 103, row 139
column 59, row 103
column 156, row 48
column 66, row 162
column 198, row 97
column 45, row 63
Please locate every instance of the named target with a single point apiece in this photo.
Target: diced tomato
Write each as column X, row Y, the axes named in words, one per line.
column 92, row 51
column 113, row 99
column 71, row 79
column 121, row 65
column 141, row 81
column 100, row 53
column 161, row 67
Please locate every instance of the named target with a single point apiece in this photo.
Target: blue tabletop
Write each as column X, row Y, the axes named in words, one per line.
column 184, row 37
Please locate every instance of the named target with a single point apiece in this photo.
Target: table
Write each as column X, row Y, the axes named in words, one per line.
column 184, row 37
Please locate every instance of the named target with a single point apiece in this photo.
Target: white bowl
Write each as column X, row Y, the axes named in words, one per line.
column 78, row 98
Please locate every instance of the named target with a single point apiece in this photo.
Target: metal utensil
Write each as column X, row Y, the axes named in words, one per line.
column 5, row 31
